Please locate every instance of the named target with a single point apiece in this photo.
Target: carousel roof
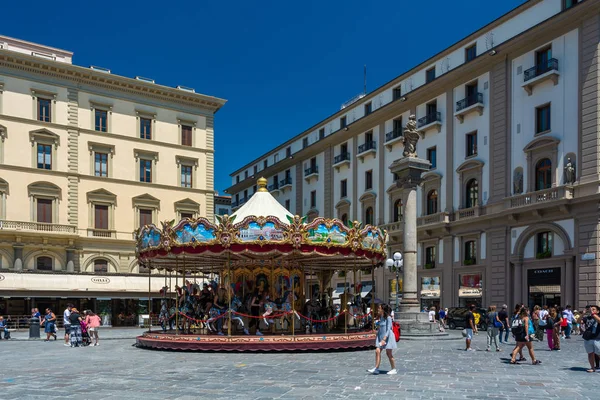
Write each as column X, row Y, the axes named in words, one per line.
column 262, row 203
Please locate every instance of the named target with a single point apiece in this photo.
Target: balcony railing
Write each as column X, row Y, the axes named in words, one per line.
column 311, row 170
column 366, row 146
column 430, row 118
column 438, row 218
column 103, row 233
column 37, row 227
column 285, row 182
column 469, row 101
column 393, row 226
column 234, row 204
column 540, row 196
column 396, row 133
column 341, row 157
column 540, row 69
column 273, row 187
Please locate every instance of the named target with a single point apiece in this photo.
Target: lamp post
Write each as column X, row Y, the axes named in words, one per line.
column 395, row 264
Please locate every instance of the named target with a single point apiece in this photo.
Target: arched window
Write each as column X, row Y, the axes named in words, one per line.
column 398, row 210
column 543, row 174
column 100, row 266
column 432, row 202
column 44, row 264
column 345, row 219
column 470, row 252
column 369, row 216
column 472, row 193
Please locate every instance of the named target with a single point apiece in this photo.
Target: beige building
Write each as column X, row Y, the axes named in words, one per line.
column 86, row 157
column 509, row 211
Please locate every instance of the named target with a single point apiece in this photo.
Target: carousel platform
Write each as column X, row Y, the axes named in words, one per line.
column 266, row 343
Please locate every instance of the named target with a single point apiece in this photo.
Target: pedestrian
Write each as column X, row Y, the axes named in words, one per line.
column 75, row 330
column 535, row 318
column 432, row 314
column 4, row 328
column 442, row 317
column 591, row 337
column 542, row 322
column 471, row 327
column 519, row 329
column 503, row 317
column 567, row 315
column 552, row 321
column 576, row 317
column 558, row 327
column 385, row 340
column 49, row 322
column 493, row 328
column 67, row 323
column 92, row 321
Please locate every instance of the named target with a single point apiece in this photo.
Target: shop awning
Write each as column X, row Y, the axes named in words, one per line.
column 547, row 289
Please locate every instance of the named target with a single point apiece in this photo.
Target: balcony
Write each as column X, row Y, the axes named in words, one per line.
column 439, row 218
column 341, row 160
column 392, row 137
column 393, row 228
column 430, row 121
column 469, row 104
column 102, row 233
column 273, row 188
column 467, row 213
column 547, row 71
column 285, row 183
column 234, row 204
column 37, row 227
column 540, row 196
column 368, row 147
column 311, row 172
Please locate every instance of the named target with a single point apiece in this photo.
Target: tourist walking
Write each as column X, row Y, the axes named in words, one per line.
column 432, row 314
column 591, row 337
column 442, row 316
column 67, row 323
column 567, row 316
column 542, row 313
column 503, row 317
column 552, row 329
column 75, row 330
column 49, row 322
column 494, row 325
column 471, row 327
column 385, row 339
column 92, row 321
column 519, row 329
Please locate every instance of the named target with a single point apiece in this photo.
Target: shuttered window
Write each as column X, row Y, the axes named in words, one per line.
column 100, row 217
column 44, row 210
column 145, row 217
column 186, row 135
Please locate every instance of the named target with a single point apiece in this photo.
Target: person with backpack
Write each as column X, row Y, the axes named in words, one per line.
column 519, row 328
column 493, row 330
column 591, row 337
column 385, row 340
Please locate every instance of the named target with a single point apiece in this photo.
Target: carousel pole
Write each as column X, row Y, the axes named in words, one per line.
column 373, row 297
column 149, row 298
column 176, row 296
column 183, row 291
column 345, row 299
column 271, row 291
column 293, row 306
column 229, row 291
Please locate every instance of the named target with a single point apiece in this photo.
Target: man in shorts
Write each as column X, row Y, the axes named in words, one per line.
column 67, row 323
column 470, row 327
column 591, row 337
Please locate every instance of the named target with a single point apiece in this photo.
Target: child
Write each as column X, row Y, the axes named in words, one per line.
column 4, row 328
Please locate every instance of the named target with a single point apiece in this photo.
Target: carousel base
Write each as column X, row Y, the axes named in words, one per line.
column 266, row 343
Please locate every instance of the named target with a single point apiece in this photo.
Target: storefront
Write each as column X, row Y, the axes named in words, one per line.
column 430, row 292
column 543, row 286
column 470, row 290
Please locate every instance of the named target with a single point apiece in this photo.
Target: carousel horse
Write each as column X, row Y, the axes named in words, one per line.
column 314, row 310
column 284, row 307
column 216, row 313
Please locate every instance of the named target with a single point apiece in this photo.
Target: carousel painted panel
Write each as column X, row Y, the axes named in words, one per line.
column 149, row 237
column 372, row 238
column 327, row 232
column 194, row 232
column 258, row 229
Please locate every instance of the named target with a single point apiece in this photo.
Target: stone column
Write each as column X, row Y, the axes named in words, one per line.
column 70, row 260
column 569, row 282
column 18, row 256
column 517, row 283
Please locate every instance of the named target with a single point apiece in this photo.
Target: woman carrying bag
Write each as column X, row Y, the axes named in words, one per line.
column 385, row 340
column 494, row 325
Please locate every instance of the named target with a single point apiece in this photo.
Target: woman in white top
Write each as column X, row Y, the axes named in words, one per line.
column 432, row 314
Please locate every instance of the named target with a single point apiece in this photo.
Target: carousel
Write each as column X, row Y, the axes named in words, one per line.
column 258, row 280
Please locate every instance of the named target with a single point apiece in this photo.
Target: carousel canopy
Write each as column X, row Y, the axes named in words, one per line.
column 261, row 233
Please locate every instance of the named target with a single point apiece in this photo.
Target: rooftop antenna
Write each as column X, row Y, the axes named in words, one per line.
column 365, row 80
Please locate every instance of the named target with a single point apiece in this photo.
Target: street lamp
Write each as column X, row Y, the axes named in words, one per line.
column 395, row 264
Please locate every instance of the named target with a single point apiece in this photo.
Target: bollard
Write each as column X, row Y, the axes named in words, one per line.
column 34, row 328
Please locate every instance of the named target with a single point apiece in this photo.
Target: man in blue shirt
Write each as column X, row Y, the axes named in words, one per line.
column 568, row 315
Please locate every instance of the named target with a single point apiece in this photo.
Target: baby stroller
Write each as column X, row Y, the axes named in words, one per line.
column 85, row 336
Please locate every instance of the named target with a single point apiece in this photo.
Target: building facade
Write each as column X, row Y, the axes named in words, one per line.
column 222, row 205
column 509, row 211
column 87, row 157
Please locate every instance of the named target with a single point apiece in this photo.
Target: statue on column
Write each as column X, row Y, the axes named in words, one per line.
column 569, row 172
column 411, row 137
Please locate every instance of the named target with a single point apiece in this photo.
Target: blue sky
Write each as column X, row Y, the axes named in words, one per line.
column 283, row 66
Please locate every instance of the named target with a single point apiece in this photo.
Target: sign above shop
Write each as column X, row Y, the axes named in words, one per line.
column 588, row 257
column 1, row 277
column 469, row 292
column 102, row 280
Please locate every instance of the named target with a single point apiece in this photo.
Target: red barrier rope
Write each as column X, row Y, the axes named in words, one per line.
column 322, row 320
column 270, row 316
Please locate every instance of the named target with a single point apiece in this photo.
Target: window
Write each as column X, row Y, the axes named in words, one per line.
column 288, row 204
column 237, row 198
column 304, row 142
column 245, row 174
column 222, row 211
column 472, row 194
column 313, row 199
column 432, row 156
column 344, row 188
column 398, row 210
column 369, row 137
column 470, row 252
column 368, row 108
column 275, row 158
column 145, row 217
column 369, row 216
column 186, row 135
column 146, row 128
column 430, row 75
column 313, row 164
column 101, row 164
column 255, row 170
column 397, row 93
column 544, row 245
column 542, row 119
column 471, row 52
column 265, row 164
column 100, row 216
column 44, row 264
column 570, row 3
column 541, row 59
column 44, row 210
column 471, row 93
column 345, row 219
column 288, row 152
column 254, row 188
column 186, row 176
column 432, row 202
column 368, row 179
column 100, row 266
column 101, row 120
column 44, row 156
column 344, row 149
column 188, row 208
column 321, row 133
column 145, row 170
column 431, row 109
column 543, row 174
column 398, row 125
column 343, row 123
column 429, row 257
column 471, row 144
column 44, row 108
column 237, row 179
